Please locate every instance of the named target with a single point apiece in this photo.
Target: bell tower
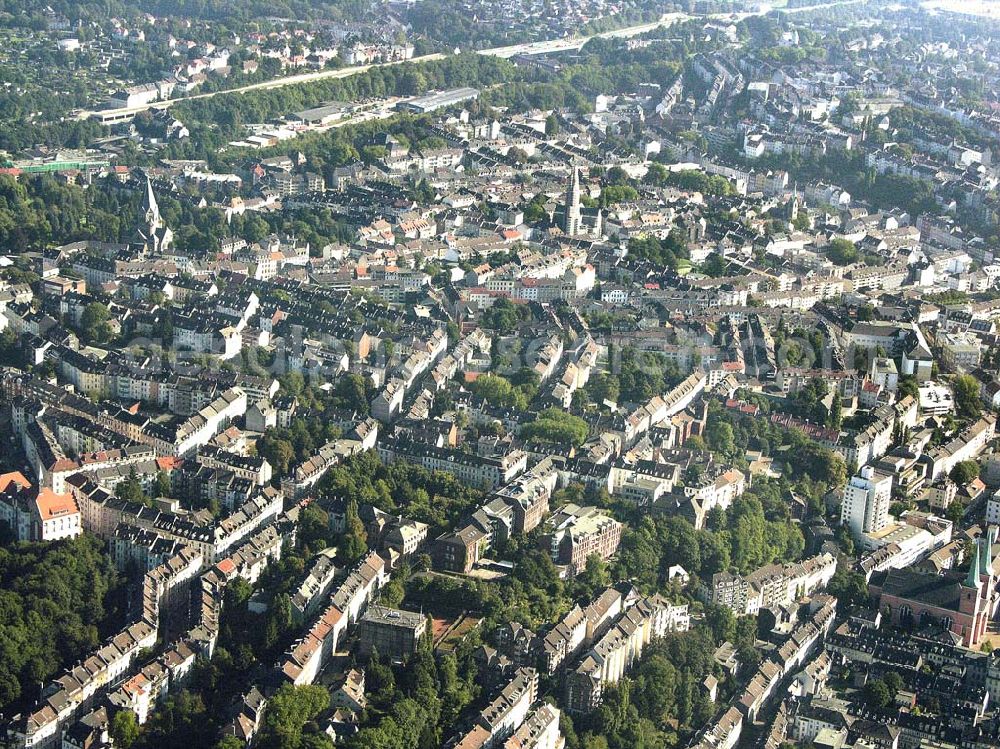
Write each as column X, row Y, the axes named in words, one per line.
column 969, row 602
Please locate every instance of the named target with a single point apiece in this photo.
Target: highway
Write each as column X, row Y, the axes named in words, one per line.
column 290, row 80
column 576, row 42
column 531, row 48
column 669, row 19
column 822, row 6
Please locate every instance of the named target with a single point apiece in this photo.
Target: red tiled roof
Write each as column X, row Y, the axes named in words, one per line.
column 51, row 505
column 13, row 477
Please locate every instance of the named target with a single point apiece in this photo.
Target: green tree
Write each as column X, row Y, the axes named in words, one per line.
column 595, row 577
column 696, row 181
column 842, row 251
column 277, row 621
column 877, row 694
column 966, row 390
column 131, row 489
column 162, row 485
column 613, row 194
column 964, row 472
column 55, row 598
column 836, row 413
column 603, row 387
column 352, row 393
column 720, row 438
column 124, row 729
column 667, row 252
column 354, row 544
column 504, row 316
column 849, row 587
column 893, row 682
column 696, row 442
column 908, row 386
column 499, row 391
column 314, row 528
column 94, row 323
column 178, row 723
column 534, row 211
column 392, row 593
column 280, row 453
column 551, row 125
column 955, row 512
column 414, row 82
column 721, row 622
column 287, row 714
column 555, row 425
column 715, row 266
column 656, row 175
column 9, row 350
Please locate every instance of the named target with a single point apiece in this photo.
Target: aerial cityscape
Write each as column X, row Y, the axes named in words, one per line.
column 499, row 374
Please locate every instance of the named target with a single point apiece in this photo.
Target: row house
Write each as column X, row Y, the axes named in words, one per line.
column 607, row 661
column 770, row 585
column 966, row 445
column 201, row 427
column 529, row 495
column 504, row 715
column 483, row 472
column 307, row 656
column 308, row 473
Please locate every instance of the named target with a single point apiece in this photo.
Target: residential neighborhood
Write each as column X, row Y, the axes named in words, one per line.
column 506, row 375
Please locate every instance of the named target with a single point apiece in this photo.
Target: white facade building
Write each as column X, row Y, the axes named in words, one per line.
column 866, row 502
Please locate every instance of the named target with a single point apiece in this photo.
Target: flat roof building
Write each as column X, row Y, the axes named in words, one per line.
column 438, row 100
column 322, row 115
column 394, row 633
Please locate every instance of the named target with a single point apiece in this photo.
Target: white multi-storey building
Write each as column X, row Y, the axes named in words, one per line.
column 866, row 502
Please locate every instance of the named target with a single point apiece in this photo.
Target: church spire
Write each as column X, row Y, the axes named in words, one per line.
column 152, row 233
column 972, row 579
column 150, row 209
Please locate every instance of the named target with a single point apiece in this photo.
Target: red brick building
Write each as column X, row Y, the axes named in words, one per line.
column 577, row 532
column 962, row 604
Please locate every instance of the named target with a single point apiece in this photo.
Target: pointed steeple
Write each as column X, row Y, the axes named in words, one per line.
column 985, row 554
column 972, row 579
column 150, row 209
column 151, row 232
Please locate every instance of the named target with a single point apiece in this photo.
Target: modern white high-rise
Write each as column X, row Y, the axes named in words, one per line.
column 866, row 502
column 572, row 218
column 993, row 509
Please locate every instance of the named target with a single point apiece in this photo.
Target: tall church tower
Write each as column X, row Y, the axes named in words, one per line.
column 152, row 233
column 971, row 587
column 572, row 220
column 150, row 210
